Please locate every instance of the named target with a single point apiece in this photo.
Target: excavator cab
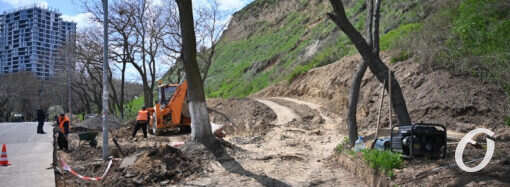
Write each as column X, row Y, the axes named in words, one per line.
column 171, row 110
column 166, row 93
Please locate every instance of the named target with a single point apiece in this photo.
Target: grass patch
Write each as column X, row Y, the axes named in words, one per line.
column 482, row 26
column 343, row 145
column 390, row 39
column 132, row 107
column 507, row 121
column 402, row 56
column 384, row 161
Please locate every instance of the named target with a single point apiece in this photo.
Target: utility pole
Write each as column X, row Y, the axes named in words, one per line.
column 68, row 48
column 105, row 81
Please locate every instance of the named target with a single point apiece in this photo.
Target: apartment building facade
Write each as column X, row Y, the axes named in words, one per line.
column 32, row 39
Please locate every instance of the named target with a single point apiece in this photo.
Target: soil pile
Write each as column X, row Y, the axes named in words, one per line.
column 165, row 165
column 146, row 163
column 241, row 116
column 96, row 123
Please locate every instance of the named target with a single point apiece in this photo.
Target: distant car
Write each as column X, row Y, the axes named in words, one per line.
column 89, row 116
column 17, row 117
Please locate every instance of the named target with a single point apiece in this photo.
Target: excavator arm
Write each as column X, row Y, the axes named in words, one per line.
column 177, row 102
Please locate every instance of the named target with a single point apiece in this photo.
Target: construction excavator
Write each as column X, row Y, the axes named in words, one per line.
column 171, row 111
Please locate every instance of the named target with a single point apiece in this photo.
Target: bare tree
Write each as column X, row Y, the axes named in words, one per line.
column 201, row 128
column 131, row 28
column 121, row 19
column 373, row 41
column 370, row 54
column 89, row 69
column 209, row 29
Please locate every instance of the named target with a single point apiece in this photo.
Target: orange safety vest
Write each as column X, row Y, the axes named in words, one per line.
column 61, row 123
column 143, row 115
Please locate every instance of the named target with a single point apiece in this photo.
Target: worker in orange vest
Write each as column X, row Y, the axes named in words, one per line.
column 141, row 121
column 63, row 125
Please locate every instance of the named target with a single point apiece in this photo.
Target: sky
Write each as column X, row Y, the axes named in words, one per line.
column 72, row 11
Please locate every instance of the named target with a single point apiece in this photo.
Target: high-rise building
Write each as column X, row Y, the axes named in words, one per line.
column 32, row 39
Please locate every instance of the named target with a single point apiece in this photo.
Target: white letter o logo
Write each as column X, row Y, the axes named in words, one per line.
column 469, row 139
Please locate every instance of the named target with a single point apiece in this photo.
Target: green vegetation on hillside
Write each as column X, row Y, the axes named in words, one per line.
column 228, row 74
column 132, row 107
column 450, row 33
column 467, row 37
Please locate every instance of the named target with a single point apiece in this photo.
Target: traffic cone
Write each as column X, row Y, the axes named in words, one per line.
column 3, row 157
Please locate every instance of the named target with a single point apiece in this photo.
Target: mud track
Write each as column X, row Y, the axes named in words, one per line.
column 293, row 152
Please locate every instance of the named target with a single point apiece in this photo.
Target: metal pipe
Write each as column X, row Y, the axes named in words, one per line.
column 105, row 81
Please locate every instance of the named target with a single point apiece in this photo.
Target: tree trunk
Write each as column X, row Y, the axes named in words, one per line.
column 375, row 36
column 201, row 128
column 356, row 81
column 122, row 91
column 353, row 103
column 377, row 67
column 209, row 62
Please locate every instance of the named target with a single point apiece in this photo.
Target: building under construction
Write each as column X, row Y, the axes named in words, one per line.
column 32, row 39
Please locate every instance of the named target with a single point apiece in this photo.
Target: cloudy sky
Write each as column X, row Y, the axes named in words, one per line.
column 71, row 9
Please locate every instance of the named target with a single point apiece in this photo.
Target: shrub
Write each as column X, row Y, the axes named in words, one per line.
column 384, row 161
column 342, row 145
column 390, row 39
column 507, row 121
column 402, row 55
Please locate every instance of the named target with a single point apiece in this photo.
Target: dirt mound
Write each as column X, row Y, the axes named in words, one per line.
column 95, row 123
column 161, row 166
column 241, row 116
column 460, row 102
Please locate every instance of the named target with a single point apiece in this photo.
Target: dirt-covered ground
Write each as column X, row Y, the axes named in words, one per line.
column 286, row 135
column 460, row 102
column 270, row 142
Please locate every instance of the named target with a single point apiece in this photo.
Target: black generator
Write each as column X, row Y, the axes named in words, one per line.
column 419, row 140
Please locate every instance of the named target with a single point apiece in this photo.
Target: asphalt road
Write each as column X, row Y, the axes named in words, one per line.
column 30, row 155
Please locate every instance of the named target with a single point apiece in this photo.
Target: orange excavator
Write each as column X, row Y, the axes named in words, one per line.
column 171, row 110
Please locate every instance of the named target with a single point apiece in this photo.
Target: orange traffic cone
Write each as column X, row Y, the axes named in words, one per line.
column 3, row 157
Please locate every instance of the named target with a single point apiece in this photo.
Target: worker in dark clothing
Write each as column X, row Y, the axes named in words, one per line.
column 41, row 117
column 141, row 121
column 63, row 124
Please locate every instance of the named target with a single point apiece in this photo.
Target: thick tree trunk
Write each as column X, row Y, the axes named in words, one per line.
column 377, row 67
column 353, row 102
column 356, row 81
column 375, row 36
column 201, row 128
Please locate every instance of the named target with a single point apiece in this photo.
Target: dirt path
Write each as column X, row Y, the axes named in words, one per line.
column 329, row 117
column 314, row 142
column 294, row 152
column 284, row 114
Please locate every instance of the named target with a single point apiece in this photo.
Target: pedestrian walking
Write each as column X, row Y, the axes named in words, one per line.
column 141, row 121
column 41, row 117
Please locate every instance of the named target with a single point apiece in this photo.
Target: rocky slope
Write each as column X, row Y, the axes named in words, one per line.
column 460, row 102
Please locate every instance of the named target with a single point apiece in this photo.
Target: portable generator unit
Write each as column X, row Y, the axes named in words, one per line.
column 419, row 140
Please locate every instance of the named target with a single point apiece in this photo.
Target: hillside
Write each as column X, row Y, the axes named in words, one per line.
column 461, row 103
column 269, row 41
